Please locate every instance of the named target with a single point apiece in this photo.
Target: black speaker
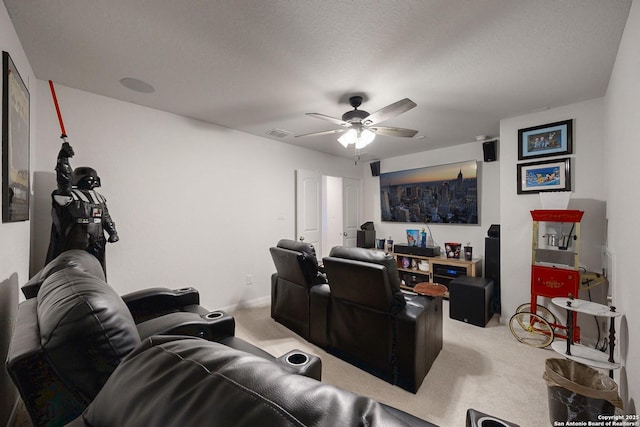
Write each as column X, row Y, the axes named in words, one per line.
column 489, row 150
column 366, row 238
column 492, row 269
column 470, row 299
column 375, row 168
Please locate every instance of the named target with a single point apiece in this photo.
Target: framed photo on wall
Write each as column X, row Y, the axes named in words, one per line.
column 15, row 144
column 549, row 175
column 552, row 139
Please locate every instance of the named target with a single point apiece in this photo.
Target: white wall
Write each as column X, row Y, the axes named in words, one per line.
column 14, row 237
column 194, row 204
column 489, row 185
column 622, row 149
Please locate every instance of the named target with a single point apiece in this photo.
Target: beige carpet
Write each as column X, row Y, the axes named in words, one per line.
column 481, row 368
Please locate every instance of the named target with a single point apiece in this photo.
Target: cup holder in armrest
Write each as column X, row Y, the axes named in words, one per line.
column 479, row 419
column 297, row 359
column 213, row 326
column 301, row 363
column 183, row 290
column 213, row 315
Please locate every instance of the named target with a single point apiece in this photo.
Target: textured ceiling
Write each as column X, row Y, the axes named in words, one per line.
column 258, row 65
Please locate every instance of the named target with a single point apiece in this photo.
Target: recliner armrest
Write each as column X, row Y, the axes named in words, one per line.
column 146, row 304
column 413, row 309
column 212, row 326
column 419, row 339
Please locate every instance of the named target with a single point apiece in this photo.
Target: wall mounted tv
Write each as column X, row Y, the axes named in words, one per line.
column 435, row 194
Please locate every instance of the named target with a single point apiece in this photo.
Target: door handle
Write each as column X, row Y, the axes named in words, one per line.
column 344, row 233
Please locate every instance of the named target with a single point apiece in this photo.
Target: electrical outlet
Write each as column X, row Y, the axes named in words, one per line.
column 249, row 279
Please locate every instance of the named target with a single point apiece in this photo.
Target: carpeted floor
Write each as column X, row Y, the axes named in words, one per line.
column 481, row 368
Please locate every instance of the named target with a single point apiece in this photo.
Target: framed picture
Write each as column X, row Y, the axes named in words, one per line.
column 435, row 194
column 15, row 144
column 550, row 175
column 413, row 237
column 553, row 139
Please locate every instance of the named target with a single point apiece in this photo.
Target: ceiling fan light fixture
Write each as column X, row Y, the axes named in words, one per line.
column 363, row 126
column 348, row 138
column 366, row 137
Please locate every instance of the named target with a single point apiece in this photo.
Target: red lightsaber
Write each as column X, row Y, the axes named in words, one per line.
column 55, row 102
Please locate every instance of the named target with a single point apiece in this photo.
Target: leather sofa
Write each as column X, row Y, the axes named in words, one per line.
column 297, row 271
column 363, row 317
column 78, row 355
column 208, row 384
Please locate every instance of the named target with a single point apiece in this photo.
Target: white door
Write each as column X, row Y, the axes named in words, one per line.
column 309, row 208
column 332, row 214
column 351, row 211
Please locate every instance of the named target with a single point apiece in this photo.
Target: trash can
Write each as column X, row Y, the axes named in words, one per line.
column 577, row 392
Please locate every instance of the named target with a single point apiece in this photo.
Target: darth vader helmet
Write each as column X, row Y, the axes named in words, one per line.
column 85, row 178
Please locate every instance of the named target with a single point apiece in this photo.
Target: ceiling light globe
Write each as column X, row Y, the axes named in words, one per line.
column 366, row 137
column 348, row 138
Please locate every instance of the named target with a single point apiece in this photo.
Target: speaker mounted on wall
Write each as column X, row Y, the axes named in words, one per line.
column 375, row 168
column 490, row 150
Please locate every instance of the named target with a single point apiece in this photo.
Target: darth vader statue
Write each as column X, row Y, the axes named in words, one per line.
column 79, row 213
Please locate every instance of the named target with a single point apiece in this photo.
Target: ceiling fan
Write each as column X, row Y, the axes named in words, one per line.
column 360, row 128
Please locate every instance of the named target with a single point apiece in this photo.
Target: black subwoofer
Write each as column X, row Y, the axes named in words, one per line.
column 470, row 299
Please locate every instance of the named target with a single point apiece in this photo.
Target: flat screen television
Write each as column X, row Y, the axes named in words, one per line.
column 434, row 194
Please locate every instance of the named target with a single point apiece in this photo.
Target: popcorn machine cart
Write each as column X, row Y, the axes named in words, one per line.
column 555, row 273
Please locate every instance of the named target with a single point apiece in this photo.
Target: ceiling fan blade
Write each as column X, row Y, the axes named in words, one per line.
column 389, row 111
column 325, row 132
column 339, row 122
column 389, row 131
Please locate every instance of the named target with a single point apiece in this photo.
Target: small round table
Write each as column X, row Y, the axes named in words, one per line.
column 430, row 289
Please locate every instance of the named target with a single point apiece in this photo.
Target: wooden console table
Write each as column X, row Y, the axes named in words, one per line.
column 440, row 269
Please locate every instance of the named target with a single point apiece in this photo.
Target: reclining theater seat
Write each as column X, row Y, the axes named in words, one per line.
column 371, row 323
column 226, row 388
column 70, row 337
column 296, row 273
column 77, row 351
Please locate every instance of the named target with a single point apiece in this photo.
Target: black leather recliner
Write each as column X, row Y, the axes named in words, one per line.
column 296, row 273
column 70, row 337
column 184, row 382
column 77, row 355
column 363, row 317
